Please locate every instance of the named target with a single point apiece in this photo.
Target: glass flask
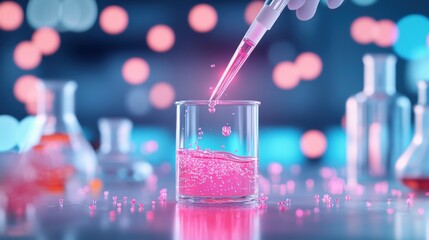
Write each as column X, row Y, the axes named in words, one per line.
column 63, row 156
column 115, row 162
column 412, row 168
column 217, row 152
column 378, row 122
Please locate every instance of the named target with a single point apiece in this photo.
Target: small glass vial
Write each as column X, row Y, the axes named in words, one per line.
column 378, row 122
column 217, row 152
column 116, row 165
column 412, row 168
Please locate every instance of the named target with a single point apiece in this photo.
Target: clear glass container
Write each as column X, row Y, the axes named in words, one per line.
column 412, row 168
column 63, row 155
column 378, row 122
column 116, row 164
column 217, row 152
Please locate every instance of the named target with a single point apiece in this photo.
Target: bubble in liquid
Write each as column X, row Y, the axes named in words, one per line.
column 212, row 109
column 213, row 65
column 226, row 131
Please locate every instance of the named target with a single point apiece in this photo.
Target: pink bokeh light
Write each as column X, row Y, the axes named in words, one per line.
column 150, row 147
column 309, row 65
column 11, row 16
column 160, row 38
column 47, row 40
column 363, row 30
column 27, row 56
column 113, row 20
column 135, row 71
column 252, row 10
column 202, row 18
column 275, row 168
column 386, row 33
column 313, row 144
column 162, row 95
column 25, row 88
column 286, row 75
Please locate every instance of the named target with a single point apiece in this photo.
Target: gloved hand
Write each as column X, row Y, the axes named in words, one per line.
column 305, row 9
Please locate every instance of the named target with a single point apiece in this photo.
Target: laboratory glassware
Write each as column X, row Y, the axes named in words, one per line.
column 378, row 122
column 412, row 168
column 116, row 164
column 63, row 155
column 217, row 152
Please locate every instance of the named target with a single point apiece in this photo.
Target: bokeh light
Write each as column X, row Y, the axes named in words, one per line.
column 160, row 38
column 364, row 3
column 80, row 16
column 281, row 51
column 416, row 70
column 286, row 75
column 113, row 20
column 202, row 18
column 363, row 30
column 25, row 88
column 135, row 71
column 137, row 101
column 309, row 65
column 413, row 31
column 47, row 40
column 313, row 144
column 43, row 13
column 9, row 128
column 252, row 10
column 162, row 95
column 11, row 16
column 27, row 56
column 386, row 33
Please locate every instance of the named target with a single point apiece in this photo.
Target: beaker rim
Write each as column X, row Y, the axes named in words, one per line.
column 219, row 102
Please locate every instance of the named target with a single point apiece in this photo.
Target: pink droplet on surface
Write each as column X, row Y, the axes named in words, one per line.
column 363, row 30
column 309, row 65
column 299, row 213
column 135, row 71
column 160, row 38
column 133, row 201
column 226, row 131
column 347, row 197
column 202, row 18
column 113, row 20
column 313, row 144
column 27, row 56
column 119, row 204
column 47, row 40
column 114, row 198
column 286, row 75
column 11, row 16
column 390, row 211
column 162, row 95
column 386, row 33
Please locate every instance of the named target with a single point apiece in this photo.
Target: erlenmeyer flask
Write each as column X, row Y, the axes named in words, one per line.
column 63, row 154
column 116, row 165
column 412, row 168
column 378, row 122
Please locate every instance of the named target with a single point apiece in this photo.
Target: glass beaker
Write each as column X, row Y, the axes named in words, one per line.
column 217, row 152
column 378, row 122
column 412, row 168
column 115, row 161
column 63, row 155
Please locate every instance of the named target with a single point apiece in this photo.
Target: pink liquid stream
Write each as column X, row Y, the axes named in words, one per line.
column 215, row 174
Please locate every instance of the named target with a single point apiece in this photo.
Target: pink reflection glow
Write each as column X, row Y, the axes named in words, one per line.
column 160, row 38
column 286, row 75
column 252, row 10
column 113, row 20
column 313, row 144
column 162, row 95
column 363, row 30
column 47, row 40
column 202, row 18
column 386, row 34
column 309, row 65
column 135, row 71
column 25, row 88
column 27, row 56
column 11, row 16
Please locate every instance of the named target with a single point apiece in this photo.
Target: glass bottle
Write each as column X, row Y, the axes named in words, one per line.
column 63, row 156
column 377, row 120
column 412, row 168
column 116, row 164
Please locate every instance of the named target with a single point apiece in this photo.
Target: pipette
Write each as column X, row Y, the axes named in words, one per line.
column 263, row 22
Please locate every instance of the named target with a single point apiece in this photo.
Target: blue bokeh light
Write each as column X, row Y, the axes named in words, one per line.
column 364, row 3
column 8, row 128
column 412, row 40
column 335, row 155
column 417, row 70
